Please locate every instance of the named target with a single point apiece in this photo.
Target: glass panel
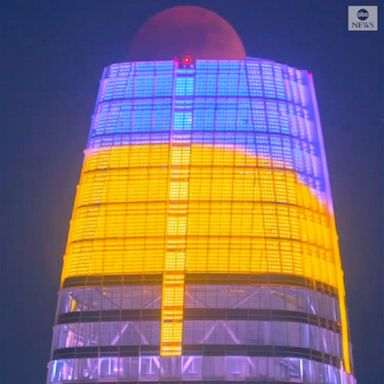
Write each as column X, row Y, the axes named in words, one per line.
column 106, row 333
column 109, row 298
column 262, row 297
column 277, row 333
column 291, row 370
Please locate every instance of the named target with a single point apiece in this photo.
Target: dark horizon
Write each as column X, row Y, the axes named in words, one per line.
column 55, row 54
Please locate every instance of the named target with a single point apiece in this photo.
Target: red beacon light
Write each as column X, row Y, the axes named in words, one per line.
column 187, row 61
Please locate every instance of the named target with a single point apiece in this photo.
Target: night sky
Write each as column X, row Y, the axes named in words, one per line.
column 52, row 55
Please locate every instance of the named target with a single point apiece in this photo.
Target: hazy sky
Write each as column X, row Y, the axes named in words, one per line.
column 53, row 53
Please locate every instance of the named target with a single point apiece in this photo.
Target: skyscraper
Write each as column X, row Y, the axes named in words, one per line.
column 202, row 245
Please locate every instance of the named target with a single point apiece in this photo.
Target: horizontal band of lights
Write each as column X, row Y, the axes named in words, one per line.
column 244, row 220
column 198, row 314
column 251, row 280
column 196, row 370
column 214, row 169
column 202, row 350
column 73, row 302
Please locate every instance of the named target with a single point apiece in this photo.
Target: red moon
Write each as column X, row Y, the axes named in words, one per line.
column 186, row 30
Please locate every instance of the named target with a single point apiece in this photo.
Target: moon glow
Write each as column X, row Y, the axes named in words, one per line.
column 186, row 30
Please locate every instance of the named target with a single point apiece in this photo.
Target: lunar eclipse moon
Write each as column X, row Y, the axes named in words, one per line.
column 186, row 30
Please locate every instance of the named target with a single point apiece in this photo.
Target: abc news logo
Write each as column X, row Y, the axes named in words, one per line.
column 362, row 18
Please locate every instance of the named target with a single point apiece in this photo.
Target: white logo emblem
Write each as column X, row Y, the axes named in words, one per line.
column 362, row 18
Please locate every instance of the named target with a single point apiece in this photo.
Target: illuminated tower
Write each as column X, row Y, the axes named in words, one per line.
column 202, row 245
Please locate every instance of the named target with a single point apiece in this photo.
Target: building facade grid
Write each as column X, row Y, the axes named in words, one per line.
column 202, row 245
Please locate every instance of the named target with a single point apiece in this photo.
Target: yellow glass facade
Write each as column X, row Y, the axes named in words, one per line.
column 223, row 212
column 210, row 211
